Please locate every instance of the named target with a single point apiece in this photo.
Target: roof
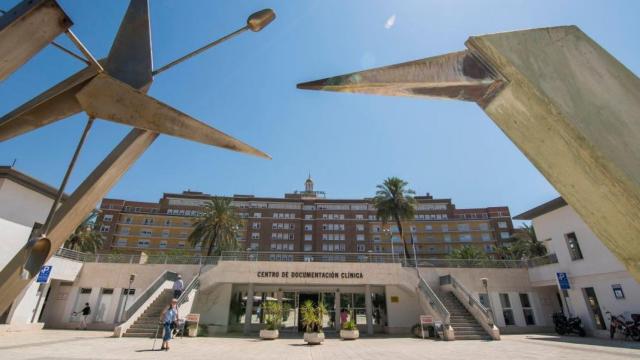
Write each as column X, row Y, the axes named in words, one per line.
column 8, row 172
column 540, row 210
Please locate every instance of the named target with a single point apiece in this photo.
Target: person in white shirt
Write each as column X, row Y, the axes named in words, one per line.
column 178, row 287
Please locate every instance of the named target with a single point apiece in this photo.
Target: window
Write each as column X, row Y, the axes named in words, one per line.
column 165, row 233
column 484, row 226
column 255, row 226
column 121, row 242
column 308, row 217
column 146, row 232
column 445, row 227
column 127, row 220
column 255, row 236
column 359, row 227
column 143, row 243
column 594, row 308
column 163, row 244
column 428, row 227
column 502, row 224
column 167, row 222
column 308, row 237
column 376, row 238
column 147, row 221
column 180, row 244
column 488, row 248
column 504, row 235
column 359, row 217
column 308, row 247
column 574, row 247
column 361, row 248
column 360, row 237
column 375, row 228
column 107, row 218
column 465, row 237
column 124, row 231
column 447, row 238
column 105, row 228
column 507, row 312
column 257, row 215
column 463, row 227
column 527, row 310
column 308, row 227
column 486, row 237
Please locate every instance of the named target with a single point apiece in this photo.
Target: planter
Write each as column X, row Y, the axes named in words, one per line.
column 314, row 338
column 349, row 334
column 269, row 334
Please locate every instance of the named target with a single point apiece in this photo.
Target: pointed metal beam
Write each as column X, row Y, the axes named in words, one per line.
column 73, row 211
column 107, row 98
column 566, row 103
column 130, row 59
column 26, row 29
column 457, row 75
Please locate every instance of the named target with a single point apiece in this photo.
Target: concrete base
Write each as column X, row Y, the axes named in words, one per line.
column 314, row 338
column 349, row 334
column 269, row 334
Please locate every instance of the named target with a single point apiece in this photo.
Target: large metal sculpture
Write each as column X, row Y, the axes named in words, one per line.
column 113, row 89
column 566, row 103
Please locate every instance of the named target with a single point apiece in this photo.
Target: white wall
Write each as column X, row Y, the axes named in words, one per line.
column 599, row 268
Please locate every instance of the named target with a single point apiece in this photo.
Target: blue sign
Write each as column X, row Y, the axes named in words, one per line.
column 563, row 281
column 43, row 275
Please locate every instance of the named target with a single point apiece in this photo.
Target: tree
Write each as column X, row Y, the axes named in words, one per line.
column 394, row 201
column 86, row 237
column 467, row 252
column 217, row 227
column 525, row 245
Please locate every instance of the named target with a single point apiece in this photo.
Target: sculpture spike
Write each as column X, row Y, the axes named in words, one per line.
column 457, row 75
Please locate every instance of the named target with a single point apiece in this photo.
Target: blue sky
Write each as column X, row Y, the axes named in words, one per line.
column 349, row 143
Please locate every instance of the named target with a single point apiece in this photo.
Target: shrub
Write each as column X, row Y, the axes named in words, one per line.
column 272, row 314
column 349, row 325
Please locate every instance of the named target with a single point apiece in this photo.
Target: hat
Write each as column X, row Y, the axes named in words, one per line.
column 179, row 276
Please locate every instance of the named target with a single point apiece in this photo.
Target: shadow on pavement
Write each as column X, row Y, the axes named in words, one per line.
column 588, row 341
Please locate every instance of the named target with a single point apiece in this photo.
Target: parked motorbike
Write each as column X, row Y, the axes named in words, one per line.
column 566, row 325
column 630, row 329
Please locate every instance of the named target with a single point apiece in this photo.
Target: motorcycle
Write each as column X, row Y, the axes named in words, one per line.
column 630, row 329
column 566, row 325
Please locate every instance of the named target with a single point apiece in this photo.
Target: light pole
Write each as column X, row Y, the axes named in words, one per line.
column 485, row 284
column 132, row 277
column 387, row 232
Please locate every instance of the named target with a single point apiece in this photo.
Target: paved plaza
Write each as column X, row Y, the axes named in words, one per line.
column 61, row 344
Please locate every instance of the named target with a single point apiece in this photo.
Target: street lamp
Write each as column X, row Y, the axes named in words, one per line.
column 485, row 284
column 132, row 277
column 255, row 22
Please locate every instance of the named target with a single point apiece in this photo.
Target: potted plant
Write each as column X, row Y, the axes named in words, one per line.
column 349, row 331
column 312, row 317
column 273, row 320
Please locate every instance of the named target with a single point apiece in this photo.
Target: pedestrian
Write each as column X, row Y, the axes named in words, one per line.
column 344, row 316
column 86, row 311
column 169, row 319
column 178, row 287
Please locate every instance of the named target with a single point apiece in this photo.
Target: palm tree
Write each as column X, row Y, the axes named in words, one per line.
column 394, row 201
column 525, row 244
column 217, row 227
column 86, row 237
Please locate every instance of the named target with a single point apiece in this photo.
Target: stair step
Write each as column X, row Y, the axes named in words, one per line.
column 472, row 337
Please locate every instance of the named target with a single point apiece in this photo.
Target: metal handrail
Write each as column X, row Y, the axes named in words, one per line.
column 472, row 300
column 434, row 300
column 166, row 275
column 193, row 284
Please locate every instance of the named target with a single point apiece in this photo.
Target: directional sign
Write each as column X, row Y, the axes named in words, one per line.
column 43, row 275
column 563, row 280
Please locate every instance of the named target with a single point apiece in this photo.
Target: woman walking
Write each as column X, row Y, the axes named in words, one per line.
column 169, row 318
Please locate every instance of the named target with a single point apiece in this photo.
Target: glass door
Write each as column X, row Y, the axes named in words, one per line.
column 328, row 322
column 594, row 308
column 290, row 311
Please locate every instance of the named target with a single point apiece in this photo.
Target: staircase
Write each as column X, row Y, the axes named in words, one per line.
column 147, row 323
column 464, row 324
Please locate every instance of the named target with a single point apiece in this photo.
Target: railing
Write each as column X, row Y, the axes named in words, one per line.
column 434, row 301
column 195, row 283
column 165, row 276
column 304, row 257
column 472, row 300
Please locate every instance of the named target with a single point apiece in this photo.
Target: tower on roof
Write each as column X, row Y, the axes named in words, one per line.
column 308, row 185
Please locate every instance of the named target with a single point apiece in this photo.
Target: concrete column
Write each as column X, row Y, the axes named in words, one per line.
column 249, row 310
column 336, row 316
column 368, row 308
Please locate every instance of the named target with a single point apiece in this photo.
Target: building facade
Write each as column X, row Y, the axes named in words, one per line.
column 599, row 284
column 305, row 221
